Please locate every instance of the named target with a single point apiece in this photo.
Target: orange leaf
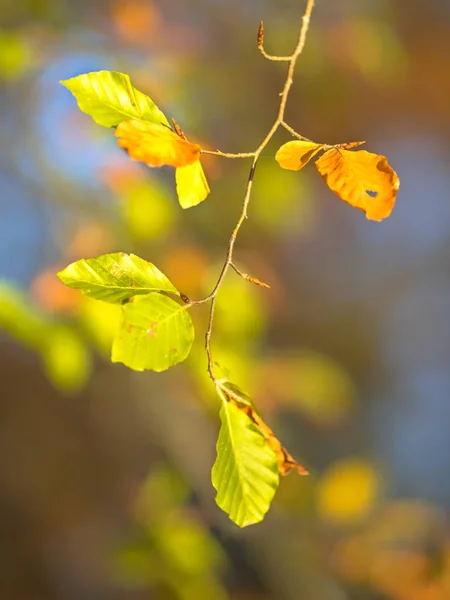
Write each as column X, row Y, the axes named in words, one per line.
column 295, row 155
column 155, row 144
column 364, row 180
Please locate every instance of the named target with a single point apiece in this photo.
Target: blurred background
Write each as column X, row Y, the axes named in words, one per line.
column 105, row 489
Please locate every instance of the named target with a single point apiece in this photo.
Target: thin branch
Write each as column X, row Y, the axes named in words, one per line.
column 228, row 154
column 273, row 57
column 261, row 47
column 279, row 121
column 293, row 132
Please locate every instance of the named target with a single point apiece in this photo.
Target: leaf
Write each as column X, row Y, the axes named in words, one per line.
column 245, row 472
column 115, row 277
column 296, row 154
column 192, row 187
column 109, row 98
column 286, row 463
column 156, row 333
column 364, row 180
column 155, row 144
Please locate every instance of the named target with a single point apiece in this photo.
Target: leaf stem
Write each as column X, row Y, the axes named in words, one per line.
column 279, row 121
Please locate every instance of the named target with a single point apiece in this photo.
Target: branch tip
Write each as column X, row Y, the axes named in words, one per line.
column 249, row 278
column 261, row 35
column 178, row 129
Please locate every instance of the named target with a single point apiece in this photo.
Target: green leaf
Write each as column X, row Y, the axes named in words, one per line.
column 109, row 98
column 192, row 187
column 245, row 473
column 156, row 333
column 115, row 277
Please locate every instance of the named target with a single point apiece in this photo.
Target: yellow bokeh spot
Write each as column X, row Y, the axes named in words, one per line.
column 383, row 61
column 313, row 383
column 283, row 202
column 15, row 54
column 347, row 491
column 101, row 321
column 67, row 362
column 148, row 210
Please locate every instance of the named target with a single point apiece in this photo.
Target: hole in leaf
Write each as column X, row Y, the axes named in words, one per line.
column 372, row 193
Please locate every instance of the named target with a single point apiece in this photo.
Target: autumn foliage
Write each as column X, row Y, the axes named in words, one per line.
column 155, row 330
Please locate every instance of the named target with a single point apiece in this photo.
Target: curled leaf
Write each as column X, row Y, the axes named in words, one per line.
column 155, row 144
column 244, row 403
column 296, row 154
column 364, row 180
column 192, row 187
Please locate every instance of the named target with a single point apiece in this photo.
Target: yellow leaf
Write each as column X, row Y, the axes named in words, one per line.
column 192, row 187
column 364, row 180
column 155, row 144
column 295, row 155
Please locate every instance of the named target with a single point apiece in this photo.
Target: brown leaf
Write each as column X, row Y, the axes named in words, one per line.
column 364, row 180
column 155, row 144
column 296, row 154
column 286, row 462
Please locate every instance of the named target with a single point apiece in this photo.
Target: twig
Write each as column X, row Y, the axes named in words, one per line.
column 228, row 154
column 248, row 277
column 279, row 121
column 263, row 52
column 293, row 132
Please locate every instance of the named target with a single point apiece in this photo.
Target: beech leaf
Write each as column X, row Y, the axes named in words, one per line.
column 296, row 154
column 155, row 144
column 156, row 333
column 245, row 473
column 192, row 187
column 115, row 277
column 286, row 463
column 364, row 180
column 110, row 98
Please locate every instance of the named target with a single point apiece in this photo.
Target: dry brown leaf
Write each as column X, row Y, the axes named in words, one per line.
column 364, row 180
column 155, row 144
column 286, row 462
column 296, row 154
